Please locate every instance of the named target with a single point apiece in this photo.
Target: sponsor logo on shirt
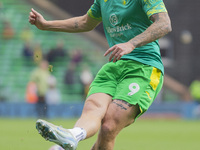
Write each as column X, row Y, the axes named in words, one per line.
column 119, row 28
column 116, row 31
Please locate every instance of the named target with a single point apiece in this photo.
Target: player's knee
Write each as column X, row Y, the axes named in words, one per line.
column 89, row 106
column 108, row 130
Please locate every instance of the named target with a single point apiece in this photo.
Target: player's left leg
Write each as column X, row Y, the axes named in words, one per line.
column 88, row 124
column 119, row 115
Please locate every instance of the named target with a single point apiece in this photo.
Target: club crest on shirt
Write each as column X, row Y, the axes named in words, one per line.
column 113, row 19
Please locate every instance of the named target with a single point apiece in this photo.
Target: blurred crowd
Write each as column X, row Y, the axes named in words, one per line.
column 42, row 88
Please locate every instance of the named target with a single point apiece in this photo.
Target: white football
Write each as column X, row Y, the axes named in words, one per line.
column 56, row 147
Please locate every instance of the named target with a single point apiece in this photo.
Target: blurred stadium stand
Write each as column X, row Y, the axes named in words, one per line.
column 179, row 49
column 163, row 110
column 15, row 72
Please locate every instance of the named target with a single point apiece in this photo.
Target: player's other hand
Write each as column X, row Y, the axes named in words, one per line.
column 119, row 50
column 37, row 19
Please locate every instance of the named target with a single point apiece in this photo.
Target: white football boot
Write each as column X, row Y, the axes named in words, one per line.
column 56, row 134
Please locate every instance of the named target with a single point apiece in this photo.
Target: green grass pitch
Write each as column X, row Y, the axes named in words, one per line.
column 20, row 134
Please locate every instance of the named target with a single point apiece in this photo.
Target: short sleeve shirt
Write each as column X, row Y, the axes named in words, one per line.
column 125, row 19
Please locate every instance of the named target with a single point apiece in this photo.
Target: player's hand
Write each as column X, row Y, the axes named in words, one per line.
column 37, row 19
column 119, row 50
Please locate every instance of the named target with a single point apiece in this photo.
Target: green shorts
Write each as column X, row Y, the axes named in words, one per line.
column 129, row 80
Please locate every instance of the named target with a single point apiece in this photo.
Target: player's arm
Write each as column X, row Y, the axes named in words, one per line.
column 76, row 24
column 160, row 27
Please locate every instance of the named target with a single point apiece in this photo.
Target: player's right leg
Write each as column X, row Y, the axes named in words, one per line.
column 94, row 111
column 88, row 124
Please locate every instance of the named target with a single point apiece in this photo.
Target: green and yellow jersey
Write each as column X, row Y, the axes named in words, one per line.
column 125, row 19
